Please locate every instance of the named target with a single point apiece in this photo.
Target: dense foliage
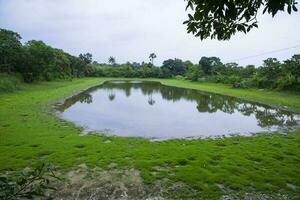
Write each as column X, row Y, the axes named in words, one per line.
column 37, row 61
column 31, row 183
column 272, row 75
column 222, row 19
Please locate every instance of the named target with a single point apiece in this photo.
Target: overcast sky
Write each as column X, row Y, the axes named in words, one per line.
column 132, row 29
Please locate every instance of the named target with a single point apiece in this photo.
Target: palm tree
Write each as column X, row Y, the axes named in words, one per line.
column 112, row 60
column 152, row 57
column 111, row 95
column 151, row 101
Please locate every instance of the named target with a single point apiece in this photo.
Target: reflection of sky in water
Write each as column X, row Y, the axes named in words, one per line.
column 129, row 113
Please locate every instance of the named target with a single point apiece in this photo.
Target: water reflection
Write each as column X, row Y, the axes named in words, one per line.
column 83, row 97
column 169, row 99
column 111, row 95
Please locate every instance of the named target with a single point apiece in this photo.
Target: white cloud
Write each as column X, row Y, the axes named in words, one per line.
column 130, row 30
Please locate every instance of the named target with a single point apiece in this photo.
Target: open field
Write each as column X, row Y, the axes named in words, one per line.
column 265, row 164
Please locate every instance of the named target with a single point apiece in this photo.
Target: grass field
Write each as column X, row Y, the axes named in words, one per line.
column 266, row 164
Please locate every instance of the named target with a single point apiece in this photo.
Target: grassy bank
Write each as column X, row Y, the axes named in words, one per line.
column 268, row 164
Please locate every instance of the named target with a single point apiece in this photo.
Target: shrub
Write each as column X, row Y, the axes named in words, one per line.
column 202, row 80
column 9, row 83
column 179, row 77
column 242, row 84
column 27, row 184
column 288, row 82
column 233, row 79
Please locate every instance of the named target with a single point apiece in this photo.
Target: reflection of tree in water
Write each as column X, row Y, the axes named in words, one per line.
column 270, row 117
column 86, row 98
column 151, row 101
column 211, row 103
column 246, row 108
column 128, row 92
column 111, row 95
column 83, row 97
column 206, row 103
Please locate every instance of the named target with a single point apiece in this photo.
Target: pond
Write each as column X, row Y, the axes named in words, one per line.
column 152, row 110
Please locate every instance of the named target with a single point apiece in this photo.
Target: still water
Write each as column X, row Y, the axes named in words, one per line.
column 153, row 110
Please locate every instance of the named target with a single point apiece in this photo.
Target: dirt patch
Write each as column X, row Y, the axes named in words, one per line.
column 84, row 183
column 113, row 184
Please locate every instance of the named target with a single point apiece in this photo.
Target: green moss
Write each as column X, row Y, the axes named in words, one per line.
column 30, row 133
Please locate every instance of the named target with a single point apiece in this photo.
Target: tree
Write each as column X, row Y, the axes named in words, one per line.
column 194, row 73
column 77, row 66
column 112, row 60
column 61, row 65
column 248, row 72
column 38, row 61
column 152, row 57
column 209, row 64
column 291, row 77
column 271, row 68
column 45, row 63
column 87, row 58
column 10, row 50
column 175, row 66
column 222, row 19
column 268, row 73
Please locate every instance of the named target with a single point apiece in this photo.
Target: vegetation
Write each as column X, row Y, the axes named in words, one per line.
column 222, row 19
column 152, row 57
column 112, row 60
column 9, row 83
column 265, row 164
column 29, row 132
column 29, row 183
column 272, row 75
column 36, row 61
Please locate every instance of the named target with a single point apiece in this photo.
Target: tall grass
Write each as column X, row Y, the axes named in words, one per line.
column 9, row 82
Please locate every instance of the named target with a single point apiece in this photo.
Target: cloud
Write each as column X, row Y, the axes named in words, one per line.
column 130, row 30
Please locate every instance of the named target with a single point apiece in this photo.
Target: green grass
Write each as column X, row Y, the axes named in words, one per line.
column 269, row 163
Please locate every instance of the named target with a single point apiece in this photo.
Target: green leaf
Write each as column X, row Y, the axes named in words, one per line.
column 295, row 8
column 190, row 16
column 289, row 9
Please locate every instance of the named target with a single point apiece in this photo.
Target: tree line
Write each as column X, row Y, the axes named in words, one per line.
column 37, row 61
column 273, row 74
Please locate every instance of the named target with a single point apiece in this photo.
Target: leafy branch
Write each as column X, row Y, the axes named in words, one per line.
column 28, row 183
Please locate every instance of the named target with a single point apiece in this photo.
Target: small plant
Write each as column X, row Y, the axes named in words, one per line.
column 179, row 77
column 27, row 184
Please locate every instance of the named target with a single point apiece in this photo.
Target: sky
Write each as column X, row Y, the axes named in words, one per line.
column 130, row 30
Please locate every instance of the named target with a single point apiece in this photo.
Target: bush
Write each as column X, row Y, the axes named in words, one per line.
column 242, row 84
column 288, row 82
column 233, row 79
column 179, row 77
column 193, row 73
column 202, row 80
column 9, row 83
column 31, row 183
